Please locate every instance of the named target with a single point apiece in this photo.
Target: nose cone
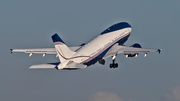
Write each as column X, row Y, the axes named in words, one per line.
column 122, row 25
column 116, row 27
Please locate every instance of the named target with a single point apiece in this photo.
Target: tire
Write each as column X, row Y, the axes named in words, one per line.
column 116, row 65
column 110, row 65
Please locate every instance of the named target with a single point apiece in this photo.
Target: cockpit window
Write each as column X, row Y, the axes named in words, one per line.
column 117, row 26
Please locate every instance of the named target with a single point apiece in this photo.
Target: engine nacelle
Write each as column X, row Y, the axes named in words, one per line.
column 131, row 55
column 136, row 45
column 101, row 61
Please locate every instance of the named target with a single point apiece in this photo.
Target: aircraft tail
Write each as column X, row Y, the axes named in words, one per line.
column 63, row 52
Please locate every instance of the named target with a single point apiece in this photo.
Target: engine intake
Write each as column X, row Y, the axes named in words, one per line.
column 101, row 61
column 131, row 55
column 136, row 45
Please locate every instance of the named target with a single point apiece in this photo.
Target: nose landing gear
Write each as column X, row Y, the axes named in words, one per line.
column 113, row 65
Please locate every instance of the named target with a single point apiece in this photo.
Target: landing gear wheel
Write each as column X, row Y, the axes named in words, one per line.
column 116, row 65
column 111, row 65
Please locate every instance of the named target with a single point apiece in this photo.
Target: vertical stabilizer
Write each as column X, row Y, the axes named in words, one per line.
column 63, row 52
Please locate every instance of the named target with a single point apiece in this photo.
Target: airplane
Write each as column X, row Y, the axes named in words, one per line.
column 107, row 44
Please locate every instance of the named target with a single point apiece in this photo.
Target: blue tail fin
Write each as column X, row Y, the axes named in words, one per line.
column 56, row 39
column 63, row 51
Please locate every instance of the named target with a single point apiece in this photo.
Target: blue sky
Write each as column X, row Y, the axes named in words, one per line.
column 30, row 24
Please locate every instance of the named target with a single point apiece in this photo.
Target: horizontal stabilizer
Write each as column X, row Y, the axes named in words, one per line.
column 70, row 65
column 43, row 66
column 75, row 66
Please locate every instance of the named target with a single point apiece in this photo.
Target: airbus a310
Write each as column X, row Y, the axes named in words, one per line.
column 107, row 44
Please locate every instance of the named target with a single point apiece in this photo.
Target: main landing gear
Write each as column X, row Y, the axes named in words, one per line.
column 113, row 65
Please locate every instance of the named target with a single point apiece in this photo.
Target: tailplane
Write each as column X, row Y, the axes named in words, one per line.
column 70, row 66
column 63, row 52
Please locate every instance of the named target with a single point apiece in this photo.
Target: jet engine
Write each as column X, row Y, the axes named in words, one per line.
column 136, row 45
column 131, row 55
column 101, row 61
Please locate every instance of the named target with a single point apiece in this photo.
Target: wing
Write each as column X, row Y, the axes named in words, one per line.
column 117, row 49
column 42, row 50
column 38, row 50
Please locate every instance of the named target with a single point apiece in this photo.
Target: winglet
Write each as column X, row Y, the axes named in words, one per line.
column 11, row 51
column 159, row 50
column 56, row 39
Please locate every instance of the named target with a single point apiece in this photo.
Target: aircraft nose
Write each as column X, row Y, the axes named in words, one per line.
column 116, row 27
column 130, row 29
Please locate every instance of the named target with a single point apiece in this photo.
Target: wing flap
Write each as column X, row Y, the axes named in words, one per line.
column 42, row 50
column 116, row 49
column 38, row 50
column 132, row 50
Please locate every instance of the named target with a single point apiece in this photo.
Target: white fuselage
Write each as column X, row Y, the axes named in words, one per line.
column 108, row 44
column 99, row 44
